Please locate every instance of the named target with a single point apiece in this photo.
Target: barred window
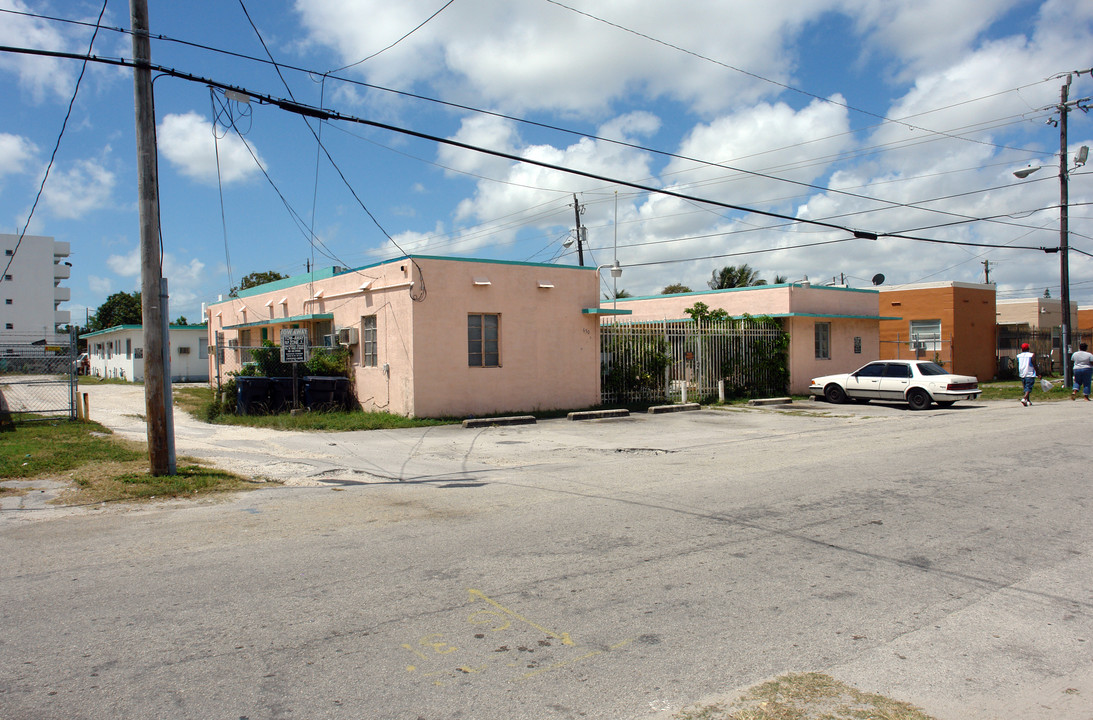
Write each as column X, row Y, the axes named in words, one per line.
column 823, row 341
column 483, row 340
column 369, row 348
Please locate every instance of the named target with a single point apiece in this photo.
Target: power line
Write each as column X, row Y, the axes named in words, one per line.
column 634, row 146
column 772, row 82
column 56, row 147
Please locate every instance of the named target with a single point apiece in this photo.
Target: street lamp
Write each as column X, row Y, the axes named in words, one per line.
column 1064, row 231
column 616, row 273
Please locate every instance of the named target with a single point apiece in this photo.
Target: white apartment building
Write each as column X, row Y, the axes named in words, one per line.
column 30, row 286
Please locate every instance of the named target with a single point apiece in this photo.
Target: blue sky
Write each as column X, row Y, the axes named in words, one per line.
column 888, row 116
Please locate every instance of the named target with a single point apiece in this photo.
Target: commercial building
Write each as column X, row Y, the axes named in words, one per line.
column 433, row 336
column 118, row 352
column 951, row 323
column 31, row 274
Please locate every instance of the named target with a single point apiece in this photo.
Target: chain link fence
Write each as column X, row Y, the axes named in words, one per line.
column 37, row 376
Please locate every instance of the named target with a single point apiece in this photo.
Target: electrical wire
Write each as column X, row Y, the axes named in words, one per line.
column 56, row 147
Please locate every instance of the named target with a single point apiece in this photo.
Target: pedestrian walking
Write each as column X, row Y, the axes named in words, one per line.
column 1026, row 370
column 1083, row 371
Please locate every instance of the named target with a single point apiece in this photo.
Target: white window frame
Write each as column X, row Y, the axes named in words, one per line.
column 925, row 335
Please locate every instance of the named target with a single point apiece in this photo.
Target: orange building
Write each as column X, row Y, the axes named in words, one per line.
column 952, row 323
column 1084, row 322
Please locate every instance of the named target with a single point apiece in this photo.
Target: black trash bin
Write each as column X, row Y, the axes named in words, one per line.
column 280, row 394
column 251, row 395
column 326, row 393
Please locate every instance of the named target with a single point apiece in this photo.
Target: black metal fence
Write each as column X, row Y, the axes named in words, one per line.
column 1045, row 344
column 37, row 376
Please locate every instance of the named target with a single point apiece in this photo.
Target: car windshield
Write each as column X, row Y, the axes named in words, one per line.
column 929, row 368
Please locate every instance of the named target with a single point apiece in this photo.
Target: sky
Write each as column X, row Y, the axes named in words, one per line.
column 703, row 133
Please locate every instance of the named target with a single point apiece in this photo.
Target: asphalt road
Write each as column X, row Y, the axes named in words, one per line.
column 608, row 569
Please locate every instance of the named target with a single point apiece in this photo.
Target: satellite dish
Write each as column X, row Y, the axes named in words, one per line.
column 878, row 279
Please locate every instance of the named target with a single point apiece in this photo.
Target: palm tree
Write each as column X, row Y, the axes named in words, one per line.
column 734, row 276
column 618, row 295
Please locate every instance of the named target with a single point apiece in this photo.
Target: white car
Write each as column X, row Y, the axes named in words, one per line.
column 916, row 382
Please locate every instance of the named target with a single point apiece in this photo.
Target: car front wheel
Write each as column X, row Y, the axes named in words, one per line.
column 918, row 399
column 835, row 394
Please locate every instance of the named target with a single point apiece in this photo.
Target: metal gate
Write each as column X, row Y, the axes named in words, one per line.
column 37, row 376
column 662, row 360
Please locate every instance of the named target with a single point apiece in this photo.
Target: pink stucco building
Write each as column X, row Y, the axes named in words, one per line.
column 435, row 336
column 831, row 329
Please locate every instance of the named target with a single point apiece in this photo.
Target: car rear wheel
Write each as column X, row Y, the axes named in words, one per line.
column 834, row 394
column 918, row 399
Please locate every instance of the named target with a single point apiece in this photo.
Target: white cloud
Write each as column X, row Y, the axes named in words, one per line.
column 187, row 142
column 16, row 152
column 100, row 285
column 79, row 190
column 529, row 56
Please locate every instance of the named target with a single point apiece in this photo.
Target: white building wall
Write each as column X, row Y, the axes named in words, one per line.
column 118, row 353
column 30, row 287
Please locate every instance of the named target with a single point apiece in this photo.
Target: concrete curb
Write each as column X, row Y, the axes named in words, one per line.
column 656, row 409
column 770, row 401
column 597, row 414
column 492, row 422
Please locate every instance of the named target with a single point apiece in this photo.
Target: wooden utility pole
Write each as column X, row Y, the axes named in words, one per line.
column 1064, row 234
column 577, row 216
column 156, row 380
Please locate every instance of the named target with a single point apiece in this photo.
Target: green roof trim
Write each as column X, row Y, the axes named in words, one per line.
column 329, row 272
column 281, row 321
column 118, row 328
column 606, row 311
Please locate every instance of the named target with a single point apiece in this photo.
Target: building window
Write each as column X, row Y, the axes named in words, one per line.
column 203, row 352
column 8, row 277
column 369, row 349
column 9, row 326
column 823, row 341
column 7, row 301
column 138, row 353
column 9, row 252
column 128, row 348
column 483, row 340
column 183, row 350
column 926, row 335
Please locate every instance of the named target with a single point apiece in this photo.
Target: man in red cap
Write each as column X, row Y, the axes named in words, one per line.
column 1026, row 370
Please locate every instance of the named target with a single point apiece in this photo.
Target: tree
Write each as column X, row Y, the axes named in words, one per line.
column 734, row 276
column 181, row 321
column 675, row 288
column 255, row 279
column 618, row 295
column 121, row 308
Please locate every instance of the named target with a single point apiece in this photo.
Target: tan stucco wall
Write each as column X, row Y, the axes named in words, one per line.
column 550, row 353
column 1037, row 313
column 803, row 363
column 549, row 349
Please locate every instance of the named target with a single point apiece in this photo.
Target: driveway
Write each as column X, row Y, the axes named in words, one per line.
column 608, row 569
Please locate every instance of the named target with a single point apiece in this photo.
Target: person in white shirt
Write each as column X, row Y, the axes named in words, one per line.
column 1083, row 370
column 1026, row 370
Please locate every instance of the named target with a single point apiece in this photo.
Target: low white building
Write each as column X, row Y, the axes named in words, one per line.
column 118, row 352
column 31, row 273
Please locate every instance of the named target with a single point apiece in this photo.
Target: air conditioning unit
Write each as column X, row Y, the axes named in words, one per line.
column 330, row 340
column 347, row 336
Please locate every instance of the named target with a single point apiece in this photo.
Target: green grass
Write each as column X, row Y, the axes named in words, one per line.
column 806, row 696
column 99, row 466
column 56, row 446
column 1011, row 390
